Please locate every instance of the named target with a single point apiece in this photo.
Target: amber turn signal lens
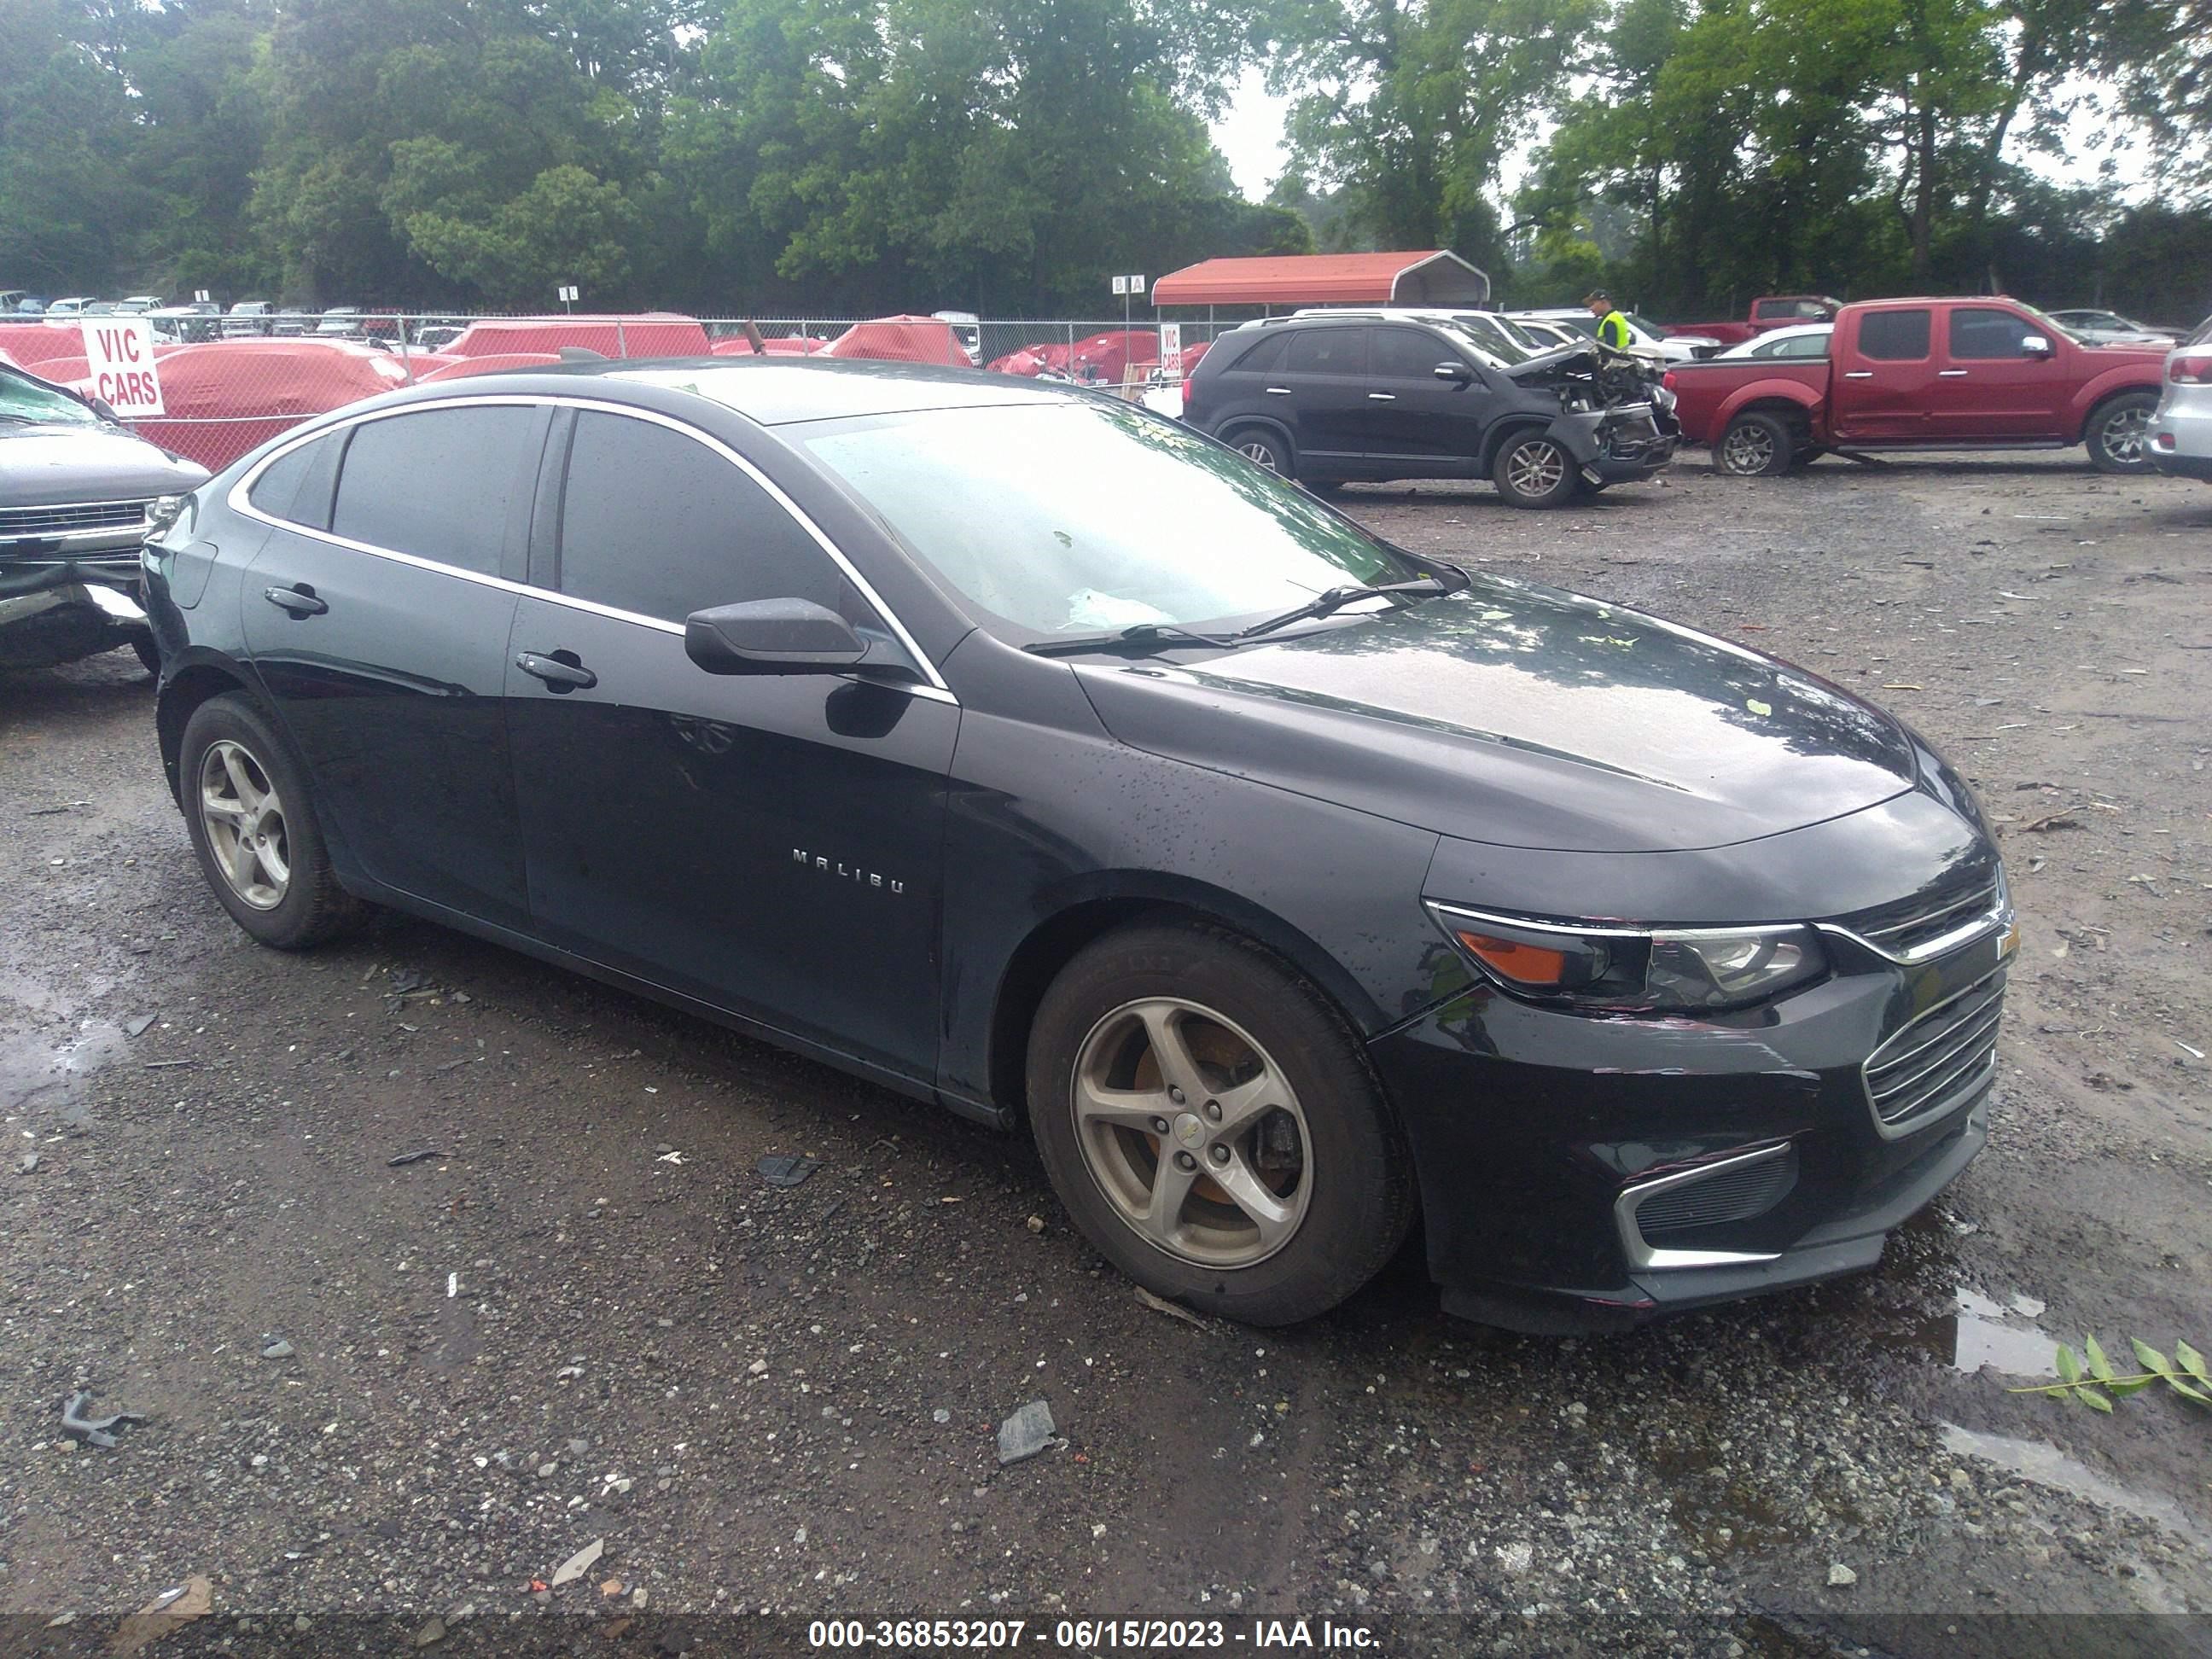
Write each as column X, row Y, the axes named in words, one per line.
column 1524, row 964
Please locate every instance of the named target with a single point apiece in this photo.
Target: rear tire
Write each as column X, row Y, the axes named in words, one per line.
column 252, row 825
column 1315, row 1189
column 1756, row 444
column 1534, row 470
column 1260, row 445
column 2116, row 432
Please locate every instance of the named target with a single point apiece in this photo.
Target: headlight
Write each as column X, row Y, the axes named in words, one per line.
column 1680, row 971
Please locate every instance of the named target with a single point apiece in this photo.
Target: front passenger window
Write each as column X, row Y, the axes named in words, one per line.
column 655, row 523
column 1407, row 353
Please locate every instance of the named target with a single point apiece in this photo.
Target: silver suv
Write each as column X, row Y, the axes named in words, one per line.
column 2180, row 436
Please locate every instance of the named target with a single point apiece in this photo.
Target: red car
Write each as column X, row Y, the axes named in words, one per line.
column 1980, row 373
column 1768, row 311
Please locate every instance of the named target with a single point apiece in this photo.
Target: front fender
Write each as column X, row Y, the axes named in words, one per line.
column 2127, row 377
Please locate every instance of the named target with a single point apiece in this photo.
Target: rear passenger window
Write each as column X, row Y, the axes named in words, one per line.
column 441, row 484
column 296, row 487
column 1893, row 336
column 1407, row 353
column 656, row 523
column 1981, row 331
column 1261, row 358
column 1326, row 351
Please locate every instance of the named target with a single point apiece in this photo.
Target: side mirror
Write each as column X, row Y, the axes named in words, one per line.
column 2034, row 345
column 771, row 636
column 1457, row 371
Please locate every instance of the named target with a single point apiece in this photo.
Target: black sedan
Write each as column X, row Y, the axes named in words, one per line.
column 76, row 493
column 1033, row 754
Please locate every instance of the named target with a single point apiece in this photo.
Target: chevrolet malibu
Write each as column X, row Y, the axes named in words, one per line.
column 1032, row 755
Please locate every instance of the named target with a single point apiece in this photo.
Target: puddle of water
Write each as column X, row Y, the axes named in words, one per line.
column 1975, row 1332
column 2046, row 1466
column 35, row 1073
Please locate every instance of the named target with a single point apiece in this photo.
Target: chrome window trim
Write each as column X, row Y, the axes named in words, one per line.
column 936, row 690
column 1644, row 1256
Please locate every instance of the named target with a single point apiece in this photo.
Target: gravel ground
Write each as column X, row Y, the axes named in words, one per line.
column 413, row 1390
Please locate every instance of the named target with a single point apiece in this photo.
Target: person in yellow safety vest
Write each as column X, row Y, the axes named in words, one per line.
column 1612, row 326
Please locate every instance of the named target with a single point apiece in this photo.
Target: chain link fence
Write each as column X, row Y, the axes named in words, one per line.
column 231, row 382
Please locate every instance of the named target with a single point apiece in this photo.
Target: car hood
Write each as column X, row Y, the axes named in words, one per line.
column 42, row 465
column 1521, row 716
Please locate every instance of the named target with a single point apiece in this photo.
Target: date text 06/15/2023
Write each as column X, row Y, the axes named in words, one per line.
column 1125, row 1635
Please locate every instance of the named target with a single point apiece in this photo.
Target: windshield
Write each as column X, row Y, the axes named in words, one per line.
column 1497, row 339
column 23, row 398
column 2052, row 324
column 1083, row 516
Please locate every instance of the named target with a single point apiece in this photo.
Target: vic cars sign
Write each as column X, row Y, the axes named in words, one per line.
column 119, row 357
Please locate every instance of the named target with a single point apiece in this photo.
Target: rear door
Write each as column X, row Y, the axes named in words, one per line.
column 377, row 615
column 768, row 844
column 1416, row 418
column 1883, row 383
column 1325, row 368
column 1991, row 388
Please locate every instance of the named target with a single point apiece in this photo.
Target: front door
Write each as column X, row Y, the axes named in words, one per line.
column 1434, row 425
column 770, row 844
column 1990, row 388
column 378, row 625
column 1882, row 384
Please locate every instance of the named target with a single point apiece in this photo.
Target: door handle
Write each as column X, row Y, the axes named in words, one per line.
column 561, row 676
column 1381, row 397
column 1278, row 391
column 300, row 601
column 1858, row 374
column 1950, row 373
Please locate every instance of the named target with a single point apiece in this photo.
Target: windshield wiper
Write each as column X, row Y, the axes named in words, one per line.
column 1451, row 579
column 1153, row 634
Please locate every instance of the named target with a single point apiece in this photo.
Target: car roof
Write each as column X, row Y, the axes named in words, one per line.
column 780, row 391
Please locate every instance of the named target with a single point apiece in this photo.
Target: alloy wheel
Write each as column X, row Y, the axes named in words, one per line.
column 244, row 819
column 1259, row 449
column 2123, row 436
column 1536, row 466
column 1192, row 1133
column 1748, row 449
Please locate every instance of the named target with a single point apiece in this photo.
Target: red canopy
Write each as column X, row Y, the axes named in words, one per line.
column 650, row 334
column 902, row 340
column 450, row 368
column 1436, row 277
column 225, row 397
column 779, row 345
column 1027, row 361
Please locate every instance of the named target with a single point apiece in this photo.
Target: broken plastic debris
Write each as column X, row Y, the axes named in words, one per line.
column 405, row 1159
column 1026, row 1433
column 138, row 1027
column 576, row 1564
column 785, row 1168
column 93, row 1430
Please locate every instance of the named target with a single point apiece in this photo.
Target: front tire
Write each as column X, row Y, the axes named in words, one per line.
column 1534, row 471
column 1209, row 1122
column 1756, row 444
column 2118, row 433
column 254, row 827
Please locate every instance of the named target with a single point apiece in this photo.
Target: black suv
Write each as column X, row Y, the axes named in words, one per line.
column 1332, row 400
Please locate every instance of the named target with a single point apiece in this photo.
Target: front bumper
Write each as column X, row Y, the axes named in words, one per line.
column 55, row 609
column 1621, row 446
column 1538, row 1132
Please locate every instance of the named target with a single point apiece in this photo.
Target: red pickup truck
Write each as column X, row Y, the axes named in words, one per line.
column 1768, row 311
column 1980, row 373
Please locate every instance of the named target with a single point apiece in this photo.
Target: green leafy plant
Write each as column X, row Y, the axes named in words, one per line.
column 2090, row 1378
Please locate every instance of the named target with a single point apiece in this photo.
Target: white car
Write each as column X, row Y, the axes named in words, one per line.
column 1644, row 338
column 2110, row 328
column 1799, row 340
column 966, row 329
column 2179, row 436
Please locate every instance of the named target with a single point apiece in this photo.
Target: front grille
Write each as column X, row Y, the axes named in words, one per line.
column 33, row 523
column 1904, row 928
column 1936, row 1060
column 1737, row 1193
